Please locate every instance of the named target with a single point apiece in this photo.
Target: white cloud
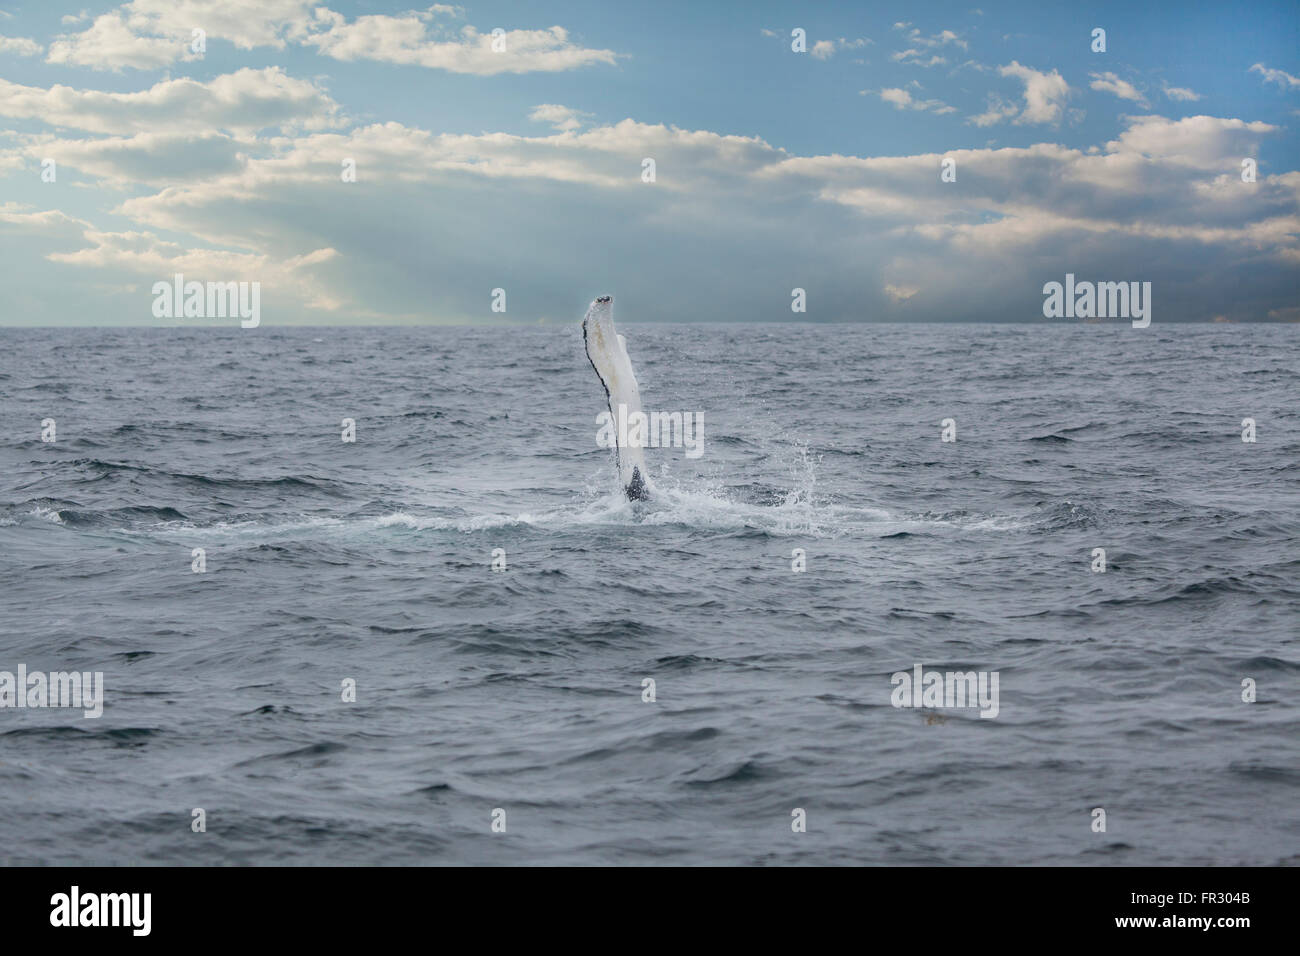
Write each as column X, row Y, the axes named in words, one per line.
column 1162, row 179
column 146, row 255
column 900, row 98
column 1280, row 77
column 942, row 38
column 20, row 46
column 919, row 43
column 1111, row 83
column 155, row 159
column 1202, row 142
column 998, row 110
column 914, row 57
column 903, row 100
column 405, row 40
column 1181, row 94
column 825, row 49
column 1044, row 98
column 110, row 44
column 246, row 100
column 150, row 34
column 1165, row 193
column 560, row 117
column 46, row 222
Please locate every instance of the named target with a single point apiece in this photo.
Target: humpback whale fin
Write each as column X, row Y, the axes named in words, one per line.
column 607, row 352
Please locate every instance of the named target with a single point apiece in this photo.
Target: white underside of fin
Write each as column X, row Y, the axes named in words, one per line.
column 607, row 351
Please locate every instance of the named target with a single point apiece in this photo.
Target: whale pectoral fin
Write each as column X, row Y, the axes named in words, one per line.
column 607, row 351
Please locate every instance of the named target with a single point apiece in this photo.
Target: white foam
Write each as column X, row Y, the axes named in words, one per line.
column 49, row 514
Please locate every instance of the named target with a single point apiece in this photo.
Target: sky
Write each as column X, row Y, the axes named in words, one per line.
column 130, row 152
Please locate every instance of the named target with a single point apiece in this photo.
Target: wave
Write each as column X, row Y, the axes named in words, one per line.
column 702, row 510
column 100, row 469
column 779, row 509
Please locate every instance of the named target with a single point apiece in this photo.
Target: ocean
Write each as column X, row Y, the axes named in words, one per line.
column 305, row 638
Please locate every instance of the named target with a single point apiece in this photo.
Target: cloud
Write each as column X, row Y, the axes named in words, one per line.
column 237, row 176
column 1111, row 83
column 405, row 40
column 50, row 223
column 1181, row 94
column 20, row 46
column 900, row 293
column 151, row 34
column 155, row 159
column 942, row 38
column 563, row 206
column 914, row 57
column 1044, row 98
column 247, row 100
column 560, row 117
column 1162, row 190
column 998, row 111
column 146, row 255
column 1280, row 77
column 1200, row 142
column 110, row 44
column 902, row 99
column 284, row 205
column 916, row 53
column 825, row 49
